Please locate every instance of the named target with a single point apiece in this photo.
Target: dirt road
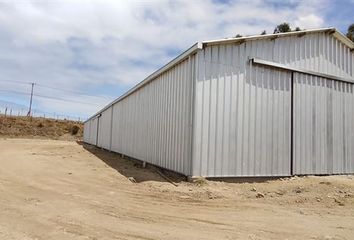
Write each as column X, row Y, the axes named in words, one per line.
column 63, row 190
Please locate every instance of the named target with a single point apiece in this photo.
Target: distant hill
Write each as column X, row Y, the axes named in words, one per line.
column 40, row 128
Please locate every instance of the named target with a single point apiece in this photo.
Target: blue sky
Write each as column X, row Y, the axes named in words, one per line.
column 97, row 50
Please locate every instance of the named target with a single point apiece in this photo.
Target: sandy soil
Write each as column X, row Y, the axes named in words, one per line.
column 63, row 190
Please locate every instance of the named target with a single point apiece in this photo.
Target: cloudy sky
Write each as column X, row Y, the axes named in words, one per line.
column 82, row 54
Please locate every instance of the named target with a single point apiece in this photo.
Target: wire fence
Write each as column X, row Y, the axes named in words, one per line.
column 22, row 112
column 8, row 108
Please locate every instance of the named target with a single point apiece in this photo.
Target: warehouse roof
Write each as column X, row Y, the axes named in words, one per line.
column 200, row 45
column 333, row 31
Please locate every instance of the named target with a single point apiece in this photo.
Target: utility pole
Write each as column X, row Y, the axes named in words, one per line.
column 30, row 106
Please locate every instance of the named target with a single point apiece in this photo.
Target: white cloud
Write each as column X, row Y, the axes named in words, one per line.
column 87, row 45
column 309, row 21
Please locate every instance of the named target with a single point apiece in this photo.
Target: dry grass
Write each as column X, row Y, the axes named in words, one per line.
column 40, row 128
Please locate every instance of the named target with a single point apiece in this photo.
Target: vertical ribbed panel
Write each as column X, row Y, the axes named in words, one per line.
column 93, row 131
column 87, row 131
column 323, row 125
column 242, row 115
column 104, row 129
column 153, row 123
column 242, row 112
column 319, row 52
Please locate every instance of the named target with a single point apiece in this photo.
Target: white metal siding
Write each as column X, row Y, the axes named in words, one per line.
column 319, row 52
column 153, row 124
column 93, row 131
column 87, row 131
column 104, row 129
column 242, row 112
column 323, row 125
column 233, row 118
column 242, row 116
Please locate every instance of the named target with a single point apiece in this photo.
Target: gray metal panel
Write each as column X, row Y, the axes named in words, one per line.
column 292, row 69
column 242, row 112
column 182, row 57
column 330, row 47
column 242, row 115
column 323, row 126
column 87, row 131
column 93, row 131
column 104, row 129
column 318, row 52
column 153, row 123
column 236, row 107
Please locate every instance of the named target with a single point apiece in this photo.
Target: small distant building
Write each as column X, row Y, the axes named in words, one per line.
column 269, row 105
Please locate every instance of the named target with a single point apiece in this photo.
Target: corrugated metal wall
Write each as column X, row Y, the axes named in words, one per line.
column 242, row 112
column 323, row 125
column 93, row 131
column 87, row 131
column 153, row 124
column 319, row 52
column 104, row 129
column 242, row 121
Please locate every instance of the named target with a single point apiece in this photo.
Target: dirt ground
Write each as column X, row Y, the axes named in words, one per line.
column 65, row 190
column 37, row 127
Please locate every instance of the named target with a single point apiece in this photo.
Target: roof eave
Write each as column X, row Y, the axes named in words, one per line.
column 152, row 76
column 344, row 39
column 201, row 45
column 330, row 30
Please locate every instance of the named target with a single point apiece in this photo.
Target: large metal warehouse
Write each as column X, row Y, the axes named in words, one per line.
column 268, row 105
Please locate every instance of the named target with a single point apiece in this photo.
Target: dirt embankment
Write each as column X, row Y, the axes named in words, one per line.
column 27, row 127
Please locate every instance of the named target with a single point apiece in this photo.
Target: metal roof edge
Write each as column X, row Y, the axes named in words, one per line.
column 152, row 76
column 344, row 39
column 332, row 30
column 200, row 45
